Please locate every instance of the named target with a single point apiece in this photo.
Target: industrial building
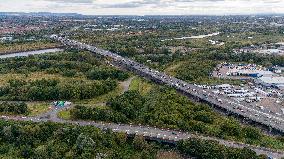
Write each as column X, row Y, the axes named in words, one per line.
column 274, row 81
column 277, row 69
column 250, row 73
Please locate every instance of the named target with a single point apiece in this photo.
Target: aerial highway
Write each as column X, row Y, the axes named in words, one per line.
column 241, row 109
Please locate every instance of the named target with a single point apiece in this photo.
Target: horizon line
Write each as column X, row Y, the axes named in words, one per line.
column 232, row 14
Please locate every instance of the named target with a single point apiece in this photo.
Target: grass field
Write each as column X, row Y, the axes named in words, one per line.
column 4, row 78
column 171, row 70
column 37, row 108
column 101, row 99
column 140, row 85
column 28, row 46
column 65, row 114
column 34, row 109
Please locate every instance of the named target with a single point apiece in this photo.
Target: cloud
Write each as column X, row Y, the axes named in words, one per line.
column 146, row 7
column 132, row 4
column 198, row 0
column 72, row 1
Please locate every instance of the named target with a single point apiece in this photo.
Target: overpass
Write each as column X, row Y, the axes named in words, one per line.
column 267, row 120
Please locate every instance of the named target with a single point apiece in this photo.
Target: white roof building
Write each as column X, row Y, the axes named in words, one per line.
column 250, row 72
column 223, row 86
column 271, row 81
column 259, row 72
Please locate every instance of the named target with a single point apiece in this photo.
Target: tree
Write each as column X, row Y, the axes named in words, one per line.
column 247, row 153
column 252, row 133
column 121, row 138
column 41, row 151
column 130, row 104
column 230, row 128
column 85, row 144
column 204, row 116
column 213, row 150
column 139, row 142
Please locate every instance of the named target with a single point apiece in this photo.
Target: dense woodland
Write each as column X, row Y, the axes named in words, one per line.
column 85, row 77
column 203, row 149
column 13, row 108
column 56, row 141
column 68, row 64
column 227, row 55
column 42, row 90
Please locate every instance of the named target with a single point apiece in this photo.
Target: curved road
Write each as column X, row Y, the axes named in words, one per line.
column 152, row 133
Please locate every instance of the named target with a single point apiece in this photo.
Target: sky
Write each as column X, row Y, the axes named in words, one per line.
column 146, row 7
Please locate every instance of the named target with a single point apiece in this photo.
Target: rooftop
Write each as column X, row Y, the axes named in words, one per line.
column 273, row 80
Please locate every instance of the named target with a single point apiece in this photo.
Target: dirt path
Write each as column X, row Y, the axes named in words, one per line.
column 126, row 84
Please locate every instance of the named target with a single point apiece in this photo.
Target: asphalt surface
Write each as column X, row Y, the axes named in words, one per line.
column 241, row 108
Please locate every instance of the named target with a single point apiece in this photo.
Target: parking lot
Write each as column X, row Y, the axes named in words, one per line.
column 254, row 97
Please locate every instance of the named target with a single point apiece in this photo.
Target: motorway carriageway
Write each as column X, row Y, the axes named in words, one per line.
column 239, row 108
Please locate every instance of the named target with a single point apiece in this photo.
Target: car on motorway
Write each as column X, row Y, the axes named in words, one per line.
column 174, row 133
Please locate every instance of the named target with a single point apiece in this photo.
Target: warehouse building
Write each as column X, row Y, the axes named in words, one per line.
column 250, row 73
column 275, row 82
column 277, row 69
